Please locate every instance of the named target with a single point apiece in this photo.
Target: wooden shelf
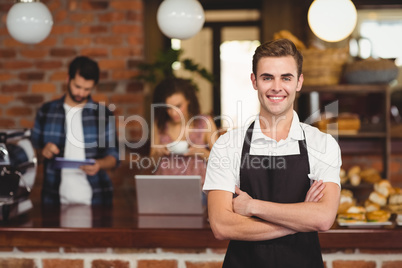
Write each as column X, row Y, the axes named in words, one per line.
column 362, row 185
column 380, row 132
column 347, row 88
column 359, row 135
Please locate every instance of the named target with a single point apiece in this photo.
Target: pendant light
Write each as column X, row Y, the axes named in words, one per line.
column 29, row 21
column 180, row 19
column 332, row 20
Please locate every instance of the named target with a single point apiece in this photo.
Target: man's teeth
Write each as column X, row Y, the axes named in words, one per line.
column 276, row 98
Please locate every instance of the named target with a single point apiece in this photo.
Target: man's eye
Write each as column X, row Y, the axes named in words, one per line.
column 287, row 78
column 267, row 78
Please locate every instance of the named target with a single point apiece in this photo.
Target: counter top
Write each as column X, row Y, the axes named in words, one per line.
column 121, row 226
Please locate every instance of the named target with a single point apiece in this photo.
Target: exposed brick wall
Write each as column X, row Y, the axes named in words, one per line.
column 109, row 31
column 167, row 258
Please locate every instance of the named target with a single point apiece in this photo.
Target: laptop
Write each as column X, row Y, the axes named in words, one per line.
column 169, row 194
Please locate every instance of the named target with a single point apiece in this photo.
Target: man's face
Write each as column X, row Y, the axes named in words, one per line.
column 276, row 82
column 79, row 89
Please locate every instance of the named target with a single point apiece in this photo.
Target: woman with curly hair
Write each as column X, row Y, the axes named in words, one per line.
column 177, row 118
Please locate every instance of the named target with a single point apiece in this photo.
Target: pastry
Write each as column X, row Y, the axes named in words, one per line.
column 370, row 175
column 346, row 201
column 378, row 198
column 351, row 217
column 378, row 216
column 356, row 209
column 383, row 187
column 370, row 206
column 354, row 170
column 343, row 176
column 396, row 197
column 355, row 179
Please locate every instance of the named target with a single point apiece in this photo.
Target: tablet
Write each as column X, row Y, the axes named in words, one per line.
column 61, row 162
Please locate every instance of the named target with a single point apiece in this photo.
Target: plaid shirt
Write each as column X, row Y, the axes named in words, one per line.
column 100, row 141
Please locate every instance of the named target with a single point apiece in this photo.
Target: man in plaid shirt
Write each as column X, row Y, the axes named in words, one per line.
column 75, row 127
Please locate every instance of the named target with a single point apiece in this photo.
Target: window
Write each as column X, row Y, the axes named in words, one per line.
column 378, row 34
column 239, row 100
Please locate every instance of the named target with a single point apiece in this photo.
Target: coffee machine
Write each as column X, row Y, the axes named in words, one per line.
column 18, row 164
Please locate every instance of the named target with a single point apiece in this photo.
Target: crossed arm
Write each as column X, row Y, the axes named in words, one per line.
column 231, row 218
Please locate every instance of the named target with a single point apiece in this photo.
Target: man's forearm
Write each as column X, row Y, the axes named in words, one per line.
column 249, row 229
column 304, row 216
column 229, row 225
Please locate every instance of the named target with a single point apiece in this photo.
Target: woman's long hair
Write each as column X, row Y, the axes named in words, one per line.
column 167, row 88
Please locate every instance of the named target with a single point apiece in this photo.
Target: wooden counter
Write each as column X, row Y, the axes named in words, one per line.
column 120, row 226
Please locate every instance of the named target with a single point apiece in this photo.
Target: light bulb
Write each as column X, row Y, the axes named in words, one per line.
column 29, row 21
column 332, row 20
column 180, row 19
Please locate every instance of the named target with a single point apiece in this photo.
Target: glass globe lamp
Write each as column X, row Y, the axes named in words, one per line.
column 29, row 21
column 332, row 20
column 180, row 19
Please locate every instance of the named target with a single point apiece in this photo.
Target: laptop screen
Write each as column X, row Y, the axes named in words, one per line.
column 169, row 194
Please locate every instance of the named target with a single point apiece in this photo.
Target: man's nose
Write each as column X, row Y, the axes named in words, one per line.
column 81, row 92
column 277, row 85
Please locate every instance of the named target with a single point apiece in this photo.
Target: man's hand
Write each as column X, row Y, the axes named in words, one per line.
column 158, row 152
column 315, row 194
column 240, row 203
column 50, row 150
column 91, row 169
column 196, row 151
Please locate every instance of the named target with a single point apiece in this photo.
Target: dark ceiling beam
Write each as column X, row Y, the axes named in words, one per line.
column 230, row 4
column 257, row 4
column 375, row 4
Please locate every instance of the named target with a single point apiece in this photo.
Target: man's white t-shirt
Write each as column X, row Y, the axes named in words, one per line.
column 74, row 186
column 223, row 169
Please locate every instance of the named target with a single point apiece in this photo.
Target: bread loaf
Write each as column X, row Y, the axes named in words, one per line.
column 370, row 206
column 378, row 198
column 396, row 197
column 355, row 179
column 356, row 209
column 343, row 176
column 354, row 170
column 378, row 216
column 346, row 201
column 383, row 187
column 348, row 121
column 288, row 35
column 370, row 175
column 346, row 192
column 351, row 217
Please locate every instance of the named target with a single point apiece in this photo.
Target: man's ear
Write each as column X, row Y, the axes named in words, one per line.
column 300, row 82
column 253, row 81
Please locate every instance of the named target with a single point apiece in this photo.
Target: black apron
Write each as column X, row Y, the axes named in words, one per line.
column 280, row 179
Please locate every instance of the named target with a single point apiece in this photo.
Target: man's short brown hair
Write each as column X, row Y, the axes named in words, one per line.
column 278, row 48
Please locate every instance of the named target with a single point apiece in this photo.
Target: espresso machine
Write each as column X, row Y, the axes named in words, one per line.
column 18, row 164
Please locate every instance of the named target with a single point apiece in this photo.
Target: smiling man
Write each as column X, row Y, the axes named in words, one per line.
column 273, row 184
column 75, row 127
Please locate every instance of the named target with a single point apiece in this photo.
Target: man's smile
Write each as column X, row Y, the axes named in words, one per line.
column 276, row 98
